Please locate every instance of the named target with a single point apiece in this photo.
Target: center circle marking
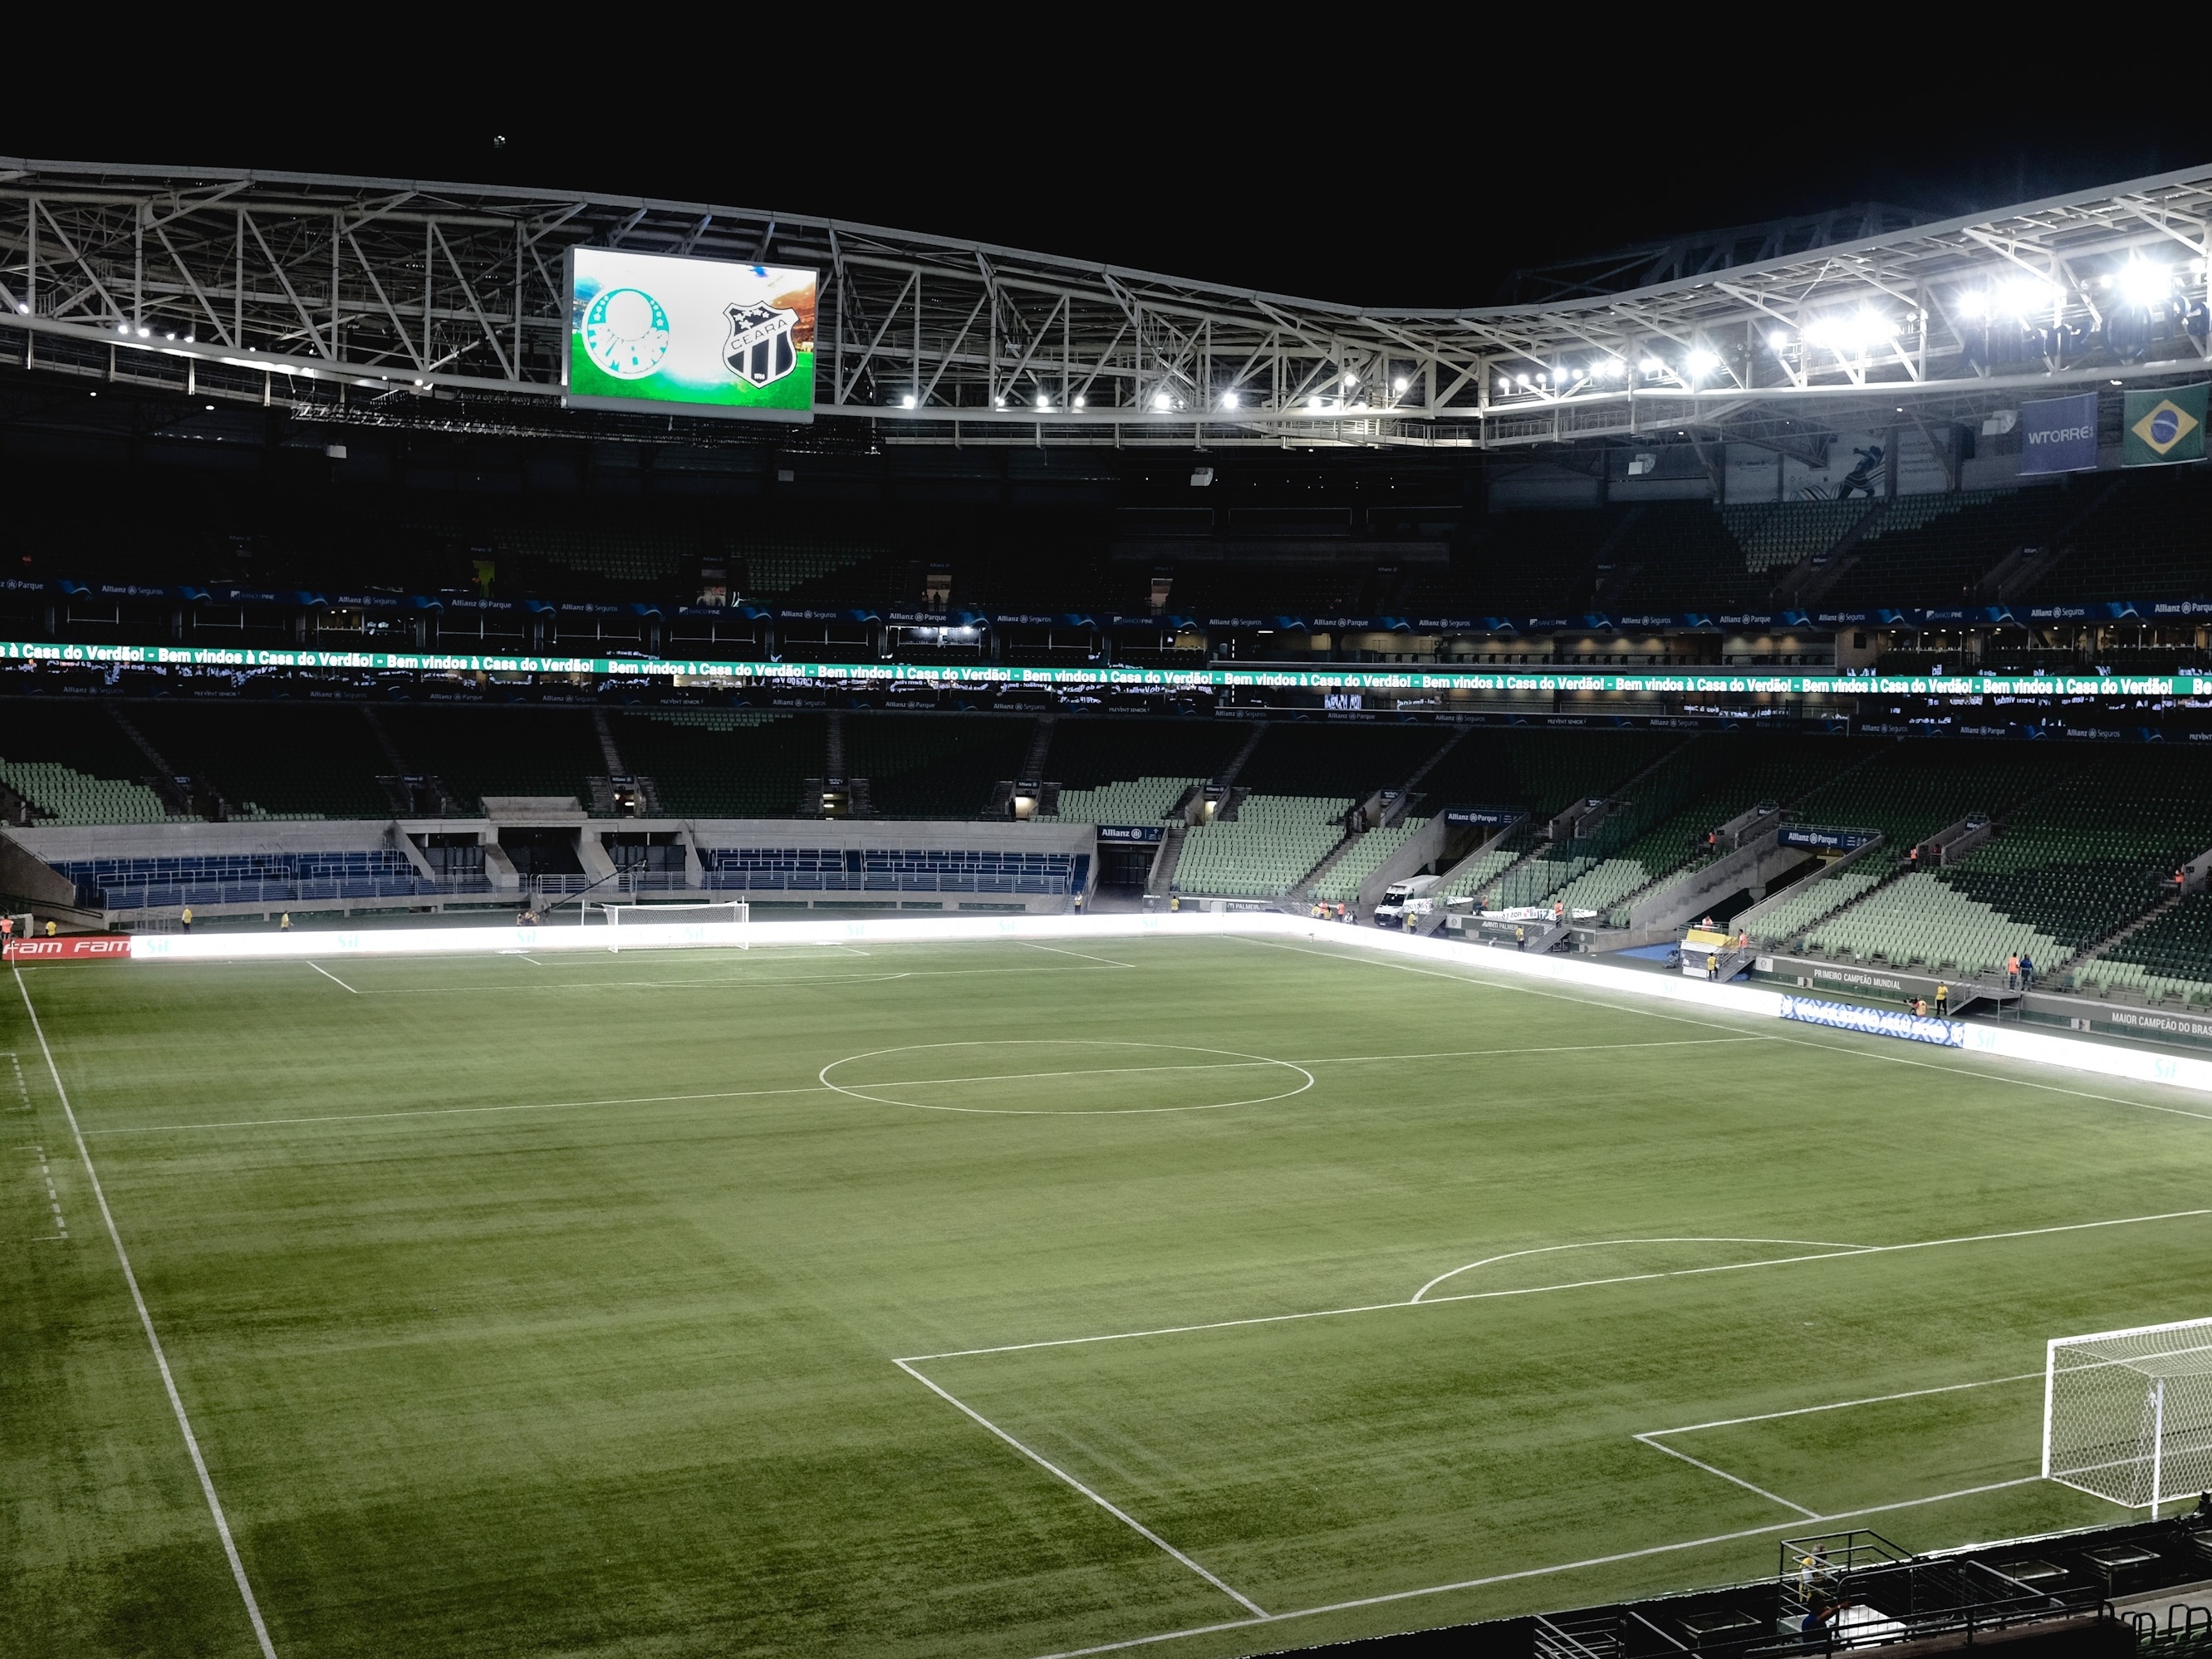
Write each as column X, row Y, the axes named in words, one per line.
column 1226, row 1058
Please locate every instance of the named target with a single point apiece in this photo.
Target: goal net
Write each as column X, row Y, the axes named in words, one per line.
column 727, row 921
column 2127, row 1415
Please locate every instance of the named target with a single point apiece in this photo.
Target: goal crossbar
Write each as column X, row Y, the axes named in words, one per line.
column 2127, row 1413
column 730, row 921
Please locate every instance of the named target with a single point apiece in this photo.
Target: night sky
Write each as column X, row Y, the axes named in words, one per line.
column 1370, row 195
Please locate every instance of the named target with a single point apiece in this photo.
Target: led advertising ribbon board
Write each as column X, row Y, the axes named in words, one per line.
column 717, row 338
column 1214, row 677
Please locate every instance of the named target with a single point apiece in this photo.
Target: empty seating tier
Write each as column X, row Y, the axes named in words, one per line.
column 475, row 752
column 274, row 760
column 725, row 762
column 1271, row 844
column 921, row 766
column 806, row 870
column 271, row 879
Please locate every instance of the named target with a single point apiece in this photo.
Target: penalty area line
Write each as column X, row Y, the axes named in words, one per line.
column 1364, row 1602
column 332, row 977
column 153, row 1339
column 1060, row 1474
column 1845, row 1254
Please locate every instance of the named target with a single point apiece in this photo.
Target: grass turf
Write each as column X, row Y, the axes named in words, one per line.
column 551, row 1307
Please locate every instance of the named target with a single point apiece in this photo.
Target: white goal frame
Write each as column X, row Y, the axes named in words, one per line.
column 682, row 914
column 2127, row 1414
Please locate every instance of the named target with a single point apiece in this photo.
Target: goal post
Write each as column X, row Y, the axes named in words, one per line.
column 2127, row 1414
column 731, row 918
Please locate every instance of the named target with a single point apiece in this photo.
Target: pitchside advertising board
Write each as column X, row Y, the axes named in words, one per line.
column 716, row 338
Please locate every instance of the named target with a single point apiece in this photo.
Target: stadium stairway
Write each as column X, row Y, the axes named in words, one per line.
column 2084, row 968
column 1344, row 872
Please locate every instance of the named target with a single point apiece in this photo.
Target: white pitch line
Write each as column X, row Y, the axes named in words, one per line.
column 332, row 977
column 762, row 980
column 1475, row 978
column 1055, row 1470
column 1533, row 1572
column 1096, row 1071
column 459, row 1111
column 1552, row 1048
column 1828, row 1244
column 1841, row 1405
column 1980, row 1076
column 1851, row 1254
column 153, row 1340
column 1734, row 1481
column 1059, row 951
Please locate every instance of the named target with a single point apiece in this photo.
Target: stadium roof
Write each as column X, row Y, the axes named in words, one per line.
column 387, row 300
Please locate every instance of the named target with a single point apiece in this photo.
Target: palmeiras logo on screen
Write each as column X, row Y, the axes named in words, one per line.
column 759, row 348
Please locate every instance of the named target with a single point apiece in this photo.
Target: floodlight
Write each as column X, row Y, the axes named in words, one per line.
column 1313, row 404
column 1521, row 380
column 998, row 402
column 145, row 333
column 1702, row 361
column 1159, row 400
column 1351, row 380
column 170, row 336
column 1043, row 402
column 124, row 329
column 1503, row 384
column 21, row 306
column 1400, row 385
column 1079, row 403
column 2145, row 282
column 211, row 408
column 1973, row 303
column 2025, row 295
column 1778, row 340
column 1229, row 400
column 907, row 401
column 1652, row 366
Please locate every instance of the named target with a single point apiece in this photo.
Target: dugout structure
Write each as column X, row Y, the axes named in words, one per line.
column 2127, row 1414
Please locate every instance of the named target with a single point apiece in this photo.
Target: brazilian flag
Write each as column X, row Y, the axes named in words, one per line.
column 2160, row 427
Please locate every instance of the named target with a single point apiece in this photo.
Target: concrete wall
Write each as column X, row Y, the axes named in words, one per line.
column 1424, row 847
column 23, row 875
column 1751, row 865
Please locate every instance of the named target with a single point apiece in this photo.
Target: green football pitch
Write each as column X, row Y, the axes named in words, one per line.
column 1009, row 1299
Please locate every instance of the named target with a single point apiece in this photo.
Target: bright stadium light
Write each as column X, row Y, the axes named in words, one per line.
column 21, row 306
column 1521, row 380
column 2145, row 282
column 1702, row 361
column 1350, row 381
column 1778, row 341
column 1652, row 366
column 1313, row 405
column 907, row 401
column 1079, row 403
column 1160, row 400
column 1400, row 385
column 1043, row 402
column 2023, row 296
column 1229, row 400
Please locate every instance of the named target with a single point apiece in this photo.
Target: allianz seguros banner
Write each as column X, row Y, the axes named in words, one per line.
column 720, row 338
column 2059, row 435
